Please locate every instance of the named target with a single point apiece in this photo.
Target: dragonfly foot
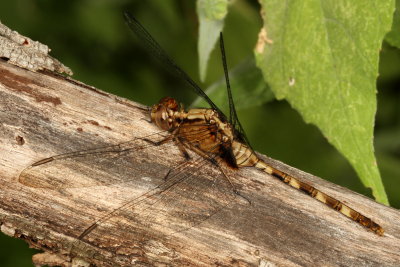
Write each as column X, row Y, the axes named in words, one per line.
column 243, row 197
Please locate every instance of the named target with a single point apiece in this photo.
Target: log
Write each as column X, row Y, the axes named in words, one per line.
column 269, row 224
column 22, row 51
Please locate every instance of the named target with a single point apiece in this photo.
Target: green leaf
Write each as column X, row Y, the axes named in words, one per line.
column 393, row 37
column 248, row 88
column 322, row 57
column 211, row 21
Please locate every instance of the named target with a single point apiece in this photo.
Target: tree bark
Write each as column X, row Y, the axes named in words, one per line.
column 22, row 51
column 44, row 114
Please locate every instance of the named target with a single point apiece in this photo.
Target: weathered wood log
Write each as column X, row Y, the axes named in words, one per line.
column 44, row 114
column 24, row 52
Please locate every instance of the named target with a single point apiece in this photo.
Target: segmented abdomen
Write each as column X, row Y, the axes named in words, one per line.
column 245, row 157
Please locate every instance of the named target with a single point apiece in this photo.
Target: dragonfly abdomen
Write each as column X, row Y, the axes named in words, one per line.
column 320, row 196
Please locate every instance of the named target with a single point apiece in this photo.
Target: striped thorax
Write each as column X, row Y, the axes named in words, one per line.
column 201, row 128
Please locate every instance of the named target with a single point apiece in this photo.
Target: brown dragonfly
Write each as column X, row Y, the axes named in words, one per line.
column 188, row 193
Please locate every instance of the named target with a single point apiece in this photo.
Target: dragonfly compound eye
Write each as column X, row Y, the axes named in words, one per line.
column 169, row 103
column 159, row 115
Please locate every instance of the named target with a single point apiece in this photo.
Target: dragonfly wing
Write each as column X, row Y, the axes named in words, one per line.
column 98, row 167
column 158, row 52
column 191, row 193
column 233, row 117
column 202, row 191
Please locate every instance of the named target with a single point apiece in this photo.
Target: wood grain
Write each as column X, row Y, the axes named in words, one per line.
column 43, row 114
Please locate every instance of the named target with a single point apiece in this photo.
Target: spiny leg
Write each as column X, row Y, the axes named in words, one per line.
column 215, row 163
column 159, row 143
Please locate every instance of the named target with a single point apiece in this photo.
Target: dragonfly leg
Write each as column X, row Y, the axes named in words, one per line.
column 166, row 176
column 182, row 149
column 242, row 196
column 184, row 152
column 215, row 162
column 197, row 151
column 235, row 191
column 159, row 143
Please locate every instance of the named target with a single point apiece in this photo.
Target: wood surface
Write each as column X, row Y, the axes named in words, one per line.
column 22, row 51
column 44, row 114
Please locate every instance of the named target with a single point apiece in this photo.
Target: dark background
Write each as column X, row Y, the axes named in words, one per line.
column 91, row 38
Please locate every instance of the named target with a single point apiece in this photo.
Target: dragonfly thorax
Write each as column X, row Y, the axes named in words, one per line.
column 167, row 114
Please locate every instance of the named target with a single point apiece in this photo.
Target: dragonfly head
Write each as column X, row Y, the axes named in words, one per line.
column 162, row 114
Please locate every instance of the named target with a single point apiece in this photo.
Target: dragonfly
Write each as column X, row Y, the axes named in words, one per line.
column 210, row 145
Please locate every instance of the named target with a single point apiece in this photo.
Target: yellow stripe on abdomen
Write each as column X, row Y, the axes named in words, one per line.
column 320, row 196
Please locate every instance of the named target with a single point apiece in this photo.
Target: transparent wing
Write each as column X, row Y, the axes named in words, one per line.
column 233, row 117
column 98, row 167
column 157, row 52
column 178, row 197
column 192, row 192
